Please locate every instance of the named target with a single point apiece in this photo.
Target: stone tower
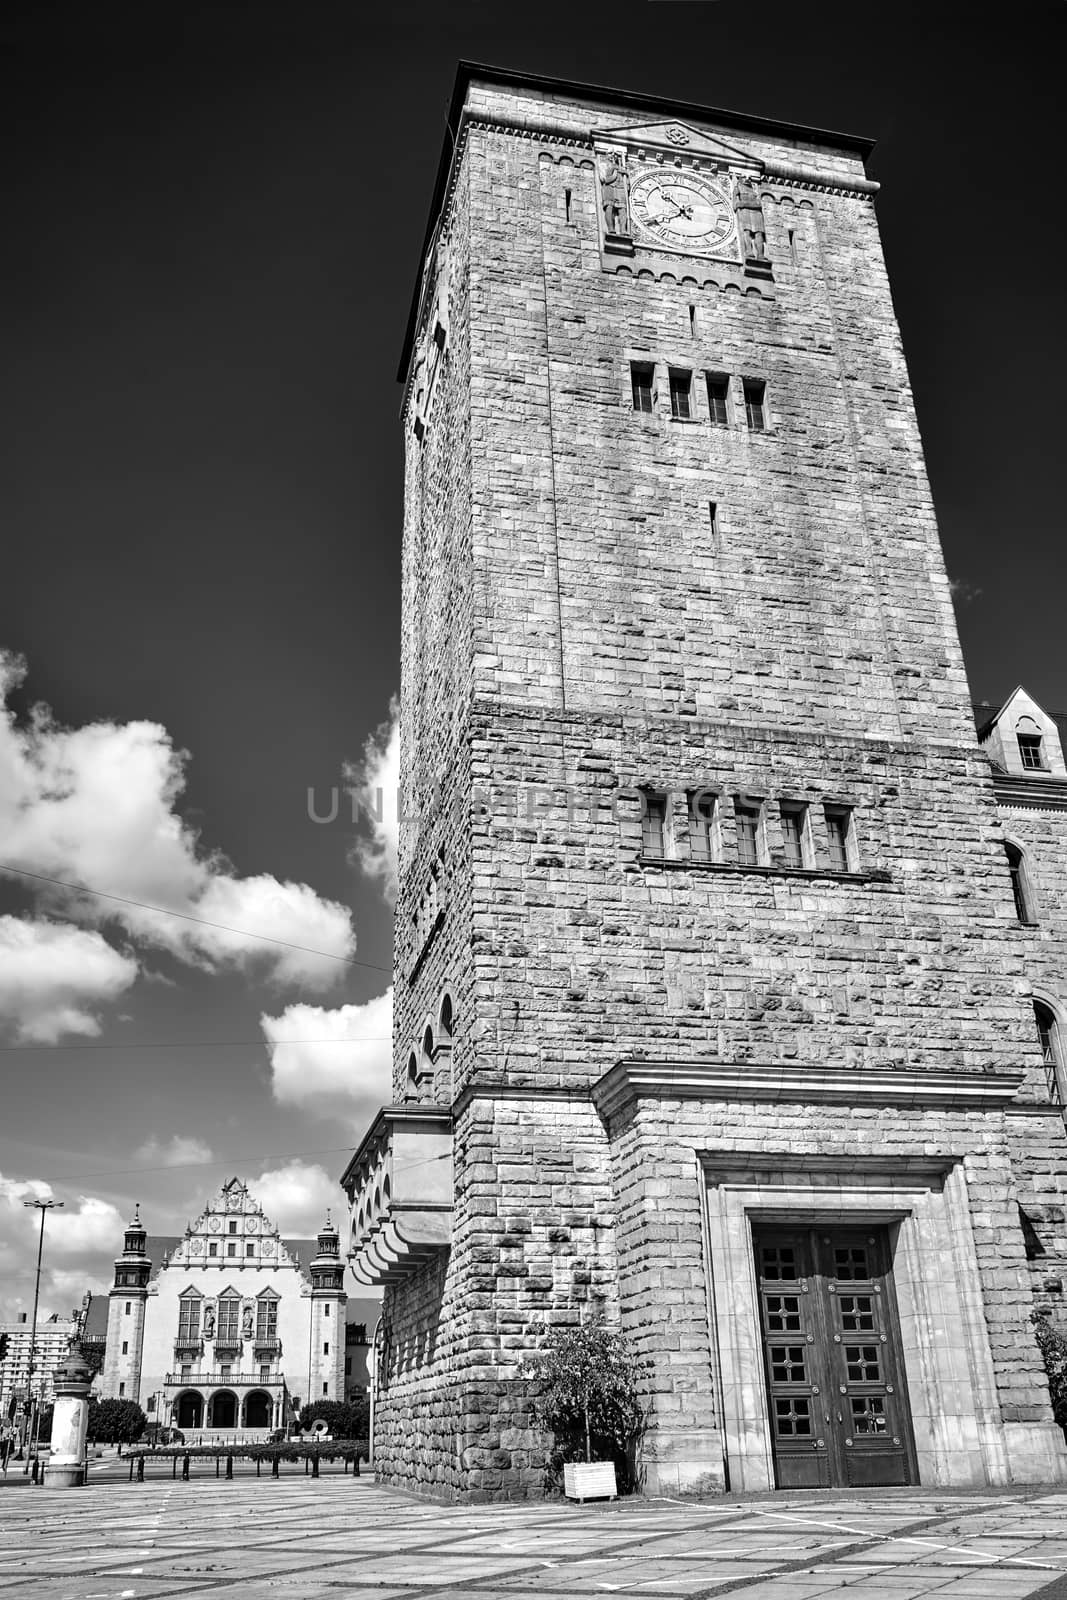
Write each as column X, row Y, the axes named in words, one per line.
column 328, row 1300
column 127, row 1302
column 711, row 1017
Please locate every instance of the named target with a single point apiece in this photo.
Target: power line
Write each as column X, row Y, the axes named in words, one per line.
column 185, row 916
column 181, row 1166
column 199, row 1044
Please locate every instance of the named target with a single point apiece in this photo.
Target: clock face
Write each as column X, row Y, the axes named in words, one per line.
column 682, row 210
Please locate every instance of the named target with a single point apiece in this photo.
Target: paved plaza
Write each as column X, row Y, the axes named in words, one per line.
column 298, row 1538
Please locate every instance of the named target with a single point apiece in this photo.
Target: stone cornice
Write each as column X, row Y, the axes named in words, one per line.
column 636, row 1078
column 503, row 1089
column 1032, row 793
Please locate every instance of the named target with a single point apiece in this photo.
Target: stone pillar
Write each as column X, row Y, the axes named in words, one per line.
column 70, row 1419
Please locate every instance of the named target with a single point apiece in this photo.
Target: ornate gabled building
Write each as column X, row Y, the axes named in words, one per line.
column 714, row 986
column 229, row 1327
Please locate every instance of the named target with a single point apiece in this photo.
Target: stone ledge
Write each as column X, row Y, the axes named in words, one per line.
column 636, row 1079
column 804, row 874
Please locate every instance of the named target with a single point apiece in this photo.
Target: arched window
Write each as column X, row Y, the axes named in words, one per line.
column 413, row 1075
column 446, row 1018
column 1020, row 884
column 427, row 1046
column 1048, row 1031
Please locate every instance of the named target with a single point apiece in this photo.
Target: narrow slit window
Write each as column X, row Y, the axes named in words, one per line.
column 1020, row 887
column 692, row 319
column 681, row 394
column 794, row 827
column 756, row 404
column 838, row 837
column 748, row 819
column 641, row 375
column 713, row 518
column 705, row 841
column 718, row 400
column 567, row 203
column 1048, row 1033
column 653, row 822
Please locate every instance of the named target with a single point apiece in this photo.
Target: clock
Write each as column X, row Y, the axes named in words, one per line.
column 682, row 210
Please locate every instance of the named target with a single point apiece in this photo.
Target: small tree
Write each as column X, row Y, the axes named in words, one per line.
column 1053, row 1346
column 585, row 1391
column 344, row 1421
column 116, row 1421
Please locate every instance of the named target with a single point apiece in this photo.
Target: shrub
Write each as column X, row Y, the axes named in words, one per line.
column 1053, row 1346
column 585, row 1392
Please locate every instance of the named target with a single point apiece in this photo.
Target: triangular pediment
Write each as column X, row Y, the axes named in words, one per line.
column 680, row 138
column 1019, row 703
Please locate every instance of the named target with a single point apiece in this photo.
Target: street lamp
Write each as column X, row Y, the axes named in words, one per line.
column 43, row 1206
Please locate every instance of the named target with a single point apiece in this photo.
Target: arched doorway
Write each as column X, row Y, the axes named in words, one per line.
column 223, row 1409
column 189, row 1412
column 259, row 1409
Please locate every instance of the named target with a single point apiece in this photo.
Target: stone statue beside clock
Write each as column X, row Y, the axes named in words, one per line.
column 682, row 209
column 614, row 196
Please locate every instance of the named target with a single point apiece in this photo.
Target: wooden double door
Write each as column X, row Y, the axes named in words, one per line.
column 831, row 1352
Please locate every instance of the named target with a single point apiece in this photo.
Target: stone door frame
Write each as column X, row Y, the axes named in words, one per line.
column 960, row 1438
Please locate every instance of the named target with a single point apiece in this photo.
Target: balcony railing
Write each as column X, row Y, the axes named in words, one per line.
column 221, row 1380
column 193, row 1345
column 271, row 1346
column 226, row 1341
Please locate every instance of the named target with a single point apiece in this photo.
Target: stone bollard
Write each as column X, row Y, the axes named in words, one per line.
column 70, row 1416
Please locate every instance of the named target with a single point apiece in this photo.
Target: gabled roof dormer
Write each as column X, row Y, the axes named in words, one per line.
column 1023, row 740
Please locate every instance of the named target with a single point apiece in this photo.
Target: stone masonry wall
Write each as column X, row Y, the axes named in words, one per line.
column 1040, row 1153
column 575, row 625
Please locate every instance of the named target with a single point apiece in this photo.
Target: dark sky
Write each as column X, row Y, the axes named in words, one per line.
column 213, row 215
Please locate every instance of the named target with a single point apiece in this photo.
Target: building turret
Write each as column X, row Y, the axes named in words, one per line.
column 326, row 1369
column 126, row 1315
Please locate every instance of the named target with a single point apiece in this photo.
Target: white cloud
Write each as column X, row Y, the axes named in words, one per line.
column 341, row 1062
column 182, row 1150
column 375, row 782
column 297, row 1196
column 53, row 978
column 80, row 1244
column 96, row 805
